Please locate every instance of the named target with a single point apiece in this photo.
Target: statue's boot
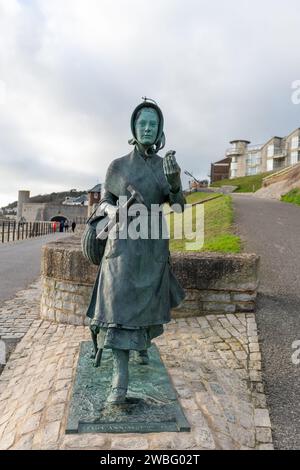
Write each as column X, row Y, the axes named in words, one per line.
column 119, row 384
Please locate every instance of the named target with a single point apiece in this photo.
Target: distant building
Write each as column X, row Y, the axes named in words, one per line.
column 195, row 185
column 47, row 211
column 94, row 196
column 76, row 201
column 276, row 153
column 220, row 170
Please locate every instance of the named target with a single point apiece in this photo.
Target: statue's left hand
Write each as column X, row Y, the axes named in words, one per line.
column 172, row 170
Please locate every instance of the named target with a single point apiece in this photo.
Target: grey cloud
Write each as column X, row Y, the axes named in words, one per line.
column 219, row 70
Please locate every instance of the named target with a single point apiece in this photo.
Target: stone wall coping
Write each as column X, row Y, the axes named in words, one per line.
column 73, row 243
column 63, row 260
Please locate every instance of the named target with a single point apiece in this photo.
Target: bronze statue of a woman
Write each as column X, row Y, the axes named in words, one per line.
column 135, row 288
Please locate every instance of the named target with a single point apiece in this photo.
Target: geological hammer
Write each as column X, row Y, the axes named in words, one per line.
column 135, row 197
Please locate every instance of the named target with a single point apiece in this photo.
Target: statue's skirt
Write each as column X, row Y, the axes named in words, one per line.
column 118, row 337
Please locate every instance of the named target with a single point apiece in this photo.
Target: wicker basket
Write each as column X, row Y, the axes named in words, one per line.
column 93, row 248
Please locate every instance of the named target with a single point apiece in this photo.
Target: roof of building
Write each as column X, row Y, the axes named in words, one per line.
column 226, row 160
column 70, row 200
column 268, row 141
column 295, row 130
column 96, row 189
column 272, row 138
column 81, row 198
column 239, row 140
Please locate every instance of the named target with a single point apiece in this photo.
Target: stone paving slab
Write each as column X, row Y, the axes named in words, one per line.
column 213, row 361
column 17, row 314
column 16, row 317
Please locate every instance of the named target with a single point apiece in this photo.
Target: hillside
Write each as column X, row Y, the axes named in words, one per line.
column 218, row 228
column 293, row 196
column 246, row 184
column 55, row 198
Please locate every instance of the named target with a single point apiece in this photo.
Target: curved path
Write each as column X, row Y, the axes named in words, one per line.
column 272, row 229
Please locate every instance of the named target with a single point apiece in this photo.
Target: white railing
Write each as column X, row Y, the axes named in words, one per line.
column 234, row 151
column 255, row 147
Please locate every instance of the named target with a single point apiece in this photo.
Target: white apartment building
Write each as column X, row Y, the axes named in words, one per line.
column 276, row 153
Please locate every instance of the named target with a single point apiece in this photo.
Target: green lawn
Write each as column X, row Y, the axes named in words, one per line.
column 196, row 197
column 292, row 196
column 246, row 184
column 218, row 233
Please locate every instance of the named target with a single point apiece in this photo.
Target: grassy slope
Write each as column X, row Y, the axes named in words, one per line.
column 245, row 184
column 218, row 218
column 292, row 196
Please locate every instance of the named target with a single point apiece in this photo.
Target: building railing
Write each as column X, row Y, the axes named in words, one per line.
column 241, row 150
column 13, row 231
column 254, row 147
column 234, row 151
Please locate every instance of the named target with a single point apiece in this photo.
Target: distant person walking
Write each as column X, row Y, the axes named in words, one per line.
column 66, row 226
column 73, row 226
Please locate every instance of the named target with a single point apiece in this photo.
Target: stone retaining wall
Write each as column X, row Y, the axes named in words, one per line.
column 214, row 282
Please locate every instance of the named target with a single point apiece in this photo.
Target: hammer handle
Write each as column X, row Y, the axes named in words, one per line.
column 113, row 221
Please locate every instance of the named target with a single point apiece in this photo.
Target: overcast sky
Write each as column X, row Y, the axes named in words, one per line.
column 71, row 72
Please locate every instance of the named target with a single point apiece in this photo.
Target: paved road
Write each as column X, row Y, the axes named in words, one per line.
column 272, row 229
column 20, row 263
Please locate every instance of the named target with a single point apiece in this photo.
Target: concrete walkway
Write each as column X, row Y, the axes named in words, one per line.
column 271, row 229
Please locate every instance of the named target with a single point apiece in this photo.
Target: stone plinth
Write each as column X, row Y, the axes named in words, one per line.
column 214, row 282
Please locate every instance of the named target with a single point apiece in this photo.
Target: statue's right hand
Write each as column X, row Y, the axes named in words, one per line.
column 111, row 210
column 107, row 209
column 94, row 328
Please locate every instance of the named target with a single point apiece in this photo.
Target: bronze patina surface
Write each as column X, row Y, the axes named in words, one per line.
column 151, row 404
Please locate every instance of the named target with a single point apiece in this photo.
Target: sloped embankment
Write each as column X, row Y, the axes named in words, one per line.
column 277, row 184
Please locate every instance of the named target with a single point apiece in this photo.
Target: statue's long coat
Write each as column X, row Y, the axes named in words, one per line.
column 135, row 286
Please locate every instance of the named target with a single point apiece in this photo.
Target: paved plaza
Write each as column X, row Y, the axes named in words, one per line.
column 214, row 362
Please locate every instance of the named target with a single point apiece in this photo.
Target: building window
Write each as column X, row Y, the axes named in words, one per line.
column 253, row 159
column 271, row 150
column 269, row 165
column 233, row 159
column 294, row 157
column 251, row 171
column 295, row 142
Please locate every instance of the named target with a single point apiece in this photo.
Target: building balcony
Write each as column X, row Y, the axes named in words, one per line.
column 234, row 151
column 279, row 153
column 278, row 157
